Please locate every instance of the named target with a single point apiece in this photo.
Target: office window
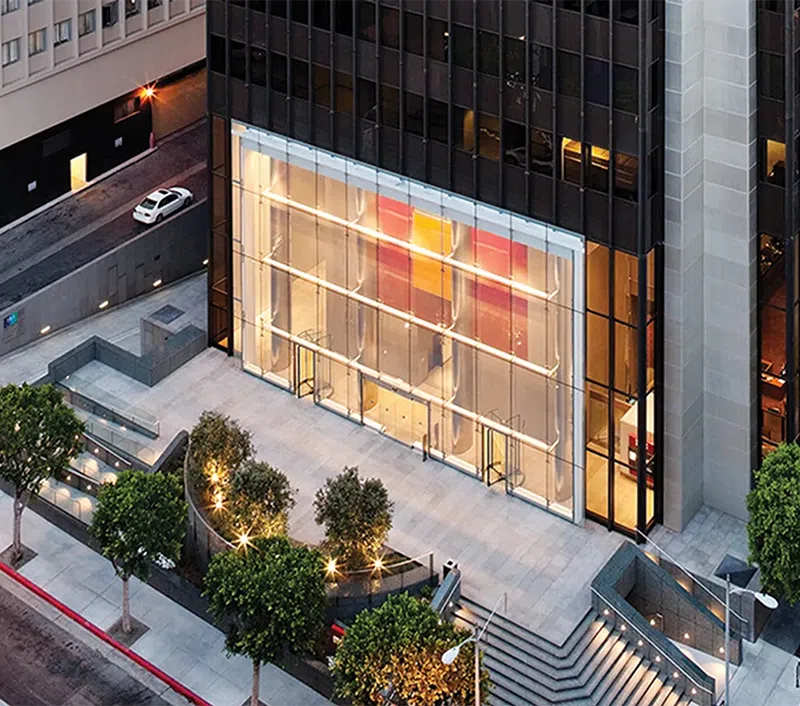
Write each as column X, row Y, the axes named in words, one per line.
column 775, row 163
column 437, row 120
column 366, row 21
column 628, row 11
column 626, row 176
column 300, row 79
column 33, row 2
column 343, row 95
column 110, row 14
column 258, row 65
column 770, row 80
column 489, row 137
column 152, row 4
column 542, row 67
column 514, row 136
column 390, row 28
column 37, row 42
column 596, row 81
column 598, row 8
column 462, row 46
column 488, row 58
column 11, row 52
column 342, row 16
column 278, row 70
column 299, row 12
column 437, row 40
column 62, row 32
column 514, row 56
column 541, row 152
column 126, row 107
column 597, row 177
column 132, row 8
column 321, row 14
column 569, row 74
column 238, row 60
column 7, row 6
column 216, row 54
column 390, row 107
column 626, row 89
column 571, row 160
column 415, row 113
column 367, row 100
column 414, row 35
column 86, row 23
column 322, row 86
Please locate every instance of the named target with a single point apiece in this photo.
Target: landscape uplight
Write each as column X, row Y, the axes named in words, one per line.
column 103, row 304
column 157, row 283
column 330, row 567
column 45, row 330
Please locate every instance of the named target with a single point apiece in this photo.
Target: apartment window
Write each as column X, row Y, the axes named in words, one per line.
column 62, row 32
column 278, row 72
column 11, row 52
column 542, row 67
column 770, row 81
column 462, row 46
column 437, row 120
column 37, row 42
column 437, row 40
column 127, row 107
column 322, row 86
column 571, row 160
column 775, row 163
column 415, row 113
column 414, row 34
column 7, row 6
column 366, row 21
column 33, row 2
column 110, row 14
column 569, row 74
column 132, row 8
column 152, row 4
column 86, row 23
column 596, row 81
column 626, row 89
column 390, row 106
column 488, row 53
column 390, row 28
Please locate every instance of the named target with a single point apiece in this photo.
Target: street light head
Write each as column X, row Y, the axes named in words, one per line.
column 450, row 656
column 766, row 600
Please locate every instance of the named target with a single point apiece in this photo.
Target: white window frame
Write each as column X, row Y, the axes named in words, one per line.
column 62, row 32
column 87, row 27
column 10, row 57
column 39, row 47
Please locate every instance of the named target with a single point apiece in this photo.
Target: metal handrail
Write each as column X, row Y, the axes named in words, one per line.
column 694, row 578
column 654, row 646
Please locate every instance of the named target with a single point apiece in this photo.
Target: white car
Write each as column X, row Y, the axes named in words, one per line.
column 162, row 203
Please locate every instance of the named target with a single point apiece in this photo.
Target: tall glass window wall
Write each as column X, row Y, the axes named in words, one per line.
column 447, row 324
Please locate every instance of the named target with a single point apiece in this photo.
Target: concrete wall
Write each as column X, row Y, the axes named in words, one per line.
column 166, row 252
column 710, row 249
column 36, row 100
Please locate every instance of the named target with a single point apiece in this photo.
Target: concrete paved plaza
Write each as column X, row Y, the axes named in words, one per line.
column 543, row 563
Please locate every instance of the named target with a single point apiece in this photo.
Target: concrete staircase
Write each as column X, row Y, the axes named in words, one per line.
column 596, row 666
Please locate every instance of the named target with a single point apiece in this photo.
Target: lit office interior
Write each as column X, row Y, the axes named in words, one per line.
column 449, row 325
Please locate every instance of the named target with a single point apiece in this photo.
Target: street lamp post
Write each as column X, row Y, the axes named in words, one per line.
column 450, row 656
column 739, row 573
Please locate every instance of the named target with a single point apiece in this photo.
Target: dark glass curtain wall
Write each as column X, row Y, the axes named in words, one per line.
column 553, row 109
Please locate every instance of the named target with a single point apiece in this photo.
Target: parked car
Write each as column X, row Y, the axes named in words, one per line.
column 162, row 203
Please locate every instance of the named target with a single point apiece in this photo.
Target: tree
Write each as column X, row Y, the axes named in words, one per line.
column 773, row 530
column 261, row 497
column 400, row 644
column 357, row 515
column 271, row 598
column 219, row 446
column 139, row 519
column 39, row 434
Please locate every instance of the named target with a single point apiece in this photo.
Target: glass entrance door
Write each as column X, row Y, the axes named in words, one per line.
column 304, row 371
column 495, row 456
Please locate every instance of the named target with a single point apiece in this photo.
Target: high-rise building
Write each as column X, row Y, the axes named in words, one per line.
column 77, row 82
column 518, row 235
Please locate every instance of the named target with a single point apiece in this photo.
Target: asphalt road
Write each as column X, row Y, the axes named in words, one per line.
column 83, row 227
column 43, row 665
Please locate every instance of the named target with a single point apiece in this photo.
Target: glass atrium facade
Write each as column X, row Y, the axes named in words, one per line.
column 452, row 326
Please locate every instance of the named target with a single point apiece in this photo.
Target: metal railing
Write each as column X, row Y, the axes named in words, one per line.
column 671, row 663
column 696, row 581
column 118, row 440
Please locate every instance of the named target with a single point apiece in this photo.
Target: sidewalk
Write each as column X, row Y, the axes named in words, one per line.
column 178, row 642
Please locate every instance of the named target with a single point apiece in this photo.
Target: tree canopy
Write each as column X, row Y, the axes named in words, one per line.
column 39, row 434
column 270, row 597
column 773, row 530
column 261, row 498
column 401, row 644
column 219, row 445
column 357, row 516
column 138, row 519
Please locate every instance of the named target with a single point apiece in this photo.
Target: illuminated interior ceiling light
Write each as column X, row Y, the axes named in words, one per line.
column 411, row 247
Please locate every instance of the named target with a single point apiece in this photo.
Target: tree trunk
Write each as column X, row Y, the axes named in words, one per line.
column 126, row 606
column 256, row 682
column 19, row 506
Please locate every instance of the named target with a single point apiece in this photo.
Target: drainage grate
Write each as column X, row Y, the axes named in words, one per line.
column 167, row 314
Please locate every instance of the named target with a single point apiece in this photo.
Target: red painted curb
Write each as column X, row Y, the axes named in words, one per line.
column 104, row 636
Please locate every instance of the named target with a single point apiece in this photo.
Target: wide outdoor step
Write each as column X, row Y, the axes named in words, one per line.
column 91, row 467
column 595, row 666
column 500, row 621
column 117, row 437
column 72, row 501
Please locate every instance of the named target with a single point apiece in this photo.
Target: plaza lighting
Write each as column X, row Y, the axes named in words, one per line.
column 450, row 656
column 215, row 478
column 330, row 567
column 738, row 572
column 378, row 564
column 244, row 539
